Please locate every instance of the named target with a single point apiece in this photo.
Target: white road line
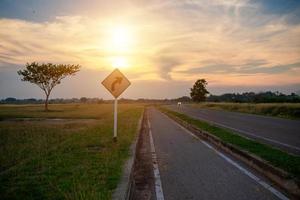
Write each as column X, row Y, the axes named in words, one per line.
column 252, row 135
column 248, row 173
column 248, row 133
column 245, row 171
column 158, row 185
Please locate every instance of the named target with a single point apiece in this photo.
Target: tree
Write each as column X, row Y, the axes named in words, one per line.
column 47, row 76
column 83, row 99
column 199, row 92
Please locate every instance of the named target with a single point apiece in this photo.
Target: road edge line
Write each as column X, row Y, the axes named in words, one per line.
column 250, row 160
column 249, row 135
column 158, row 185
column 248, row 173
column 235, row 164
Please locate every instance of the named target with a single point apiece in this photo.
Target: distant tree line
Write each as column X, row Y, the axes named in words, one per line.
column 247, row 97
column 251, row 97
column 12, row 100
column 199, row 93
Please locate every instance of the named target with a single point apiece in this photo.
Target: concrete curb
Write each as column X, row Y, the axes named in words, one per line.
column 126, row 186
column 279, row 177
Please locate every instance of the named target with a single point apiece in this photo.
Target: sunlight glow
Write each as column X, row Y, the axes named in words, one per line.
column 119, row 62
column 121, row 39
column 119, row 44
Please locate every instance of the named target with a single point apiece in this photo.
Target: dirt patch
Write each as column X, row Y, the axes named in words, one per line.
column 95, row 148
column 64, row 124
column 54, row 121
column 143, row 177
column 49, row 120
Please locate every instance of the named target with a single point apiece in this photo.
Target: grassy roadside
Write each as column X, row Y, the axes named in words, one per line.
column 65, row 159
column 287, row 162
column 283, row 110
column 63, row 111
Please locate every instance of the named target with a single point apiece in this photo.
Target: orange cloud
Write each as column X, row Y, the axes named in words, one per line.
column 170, row 41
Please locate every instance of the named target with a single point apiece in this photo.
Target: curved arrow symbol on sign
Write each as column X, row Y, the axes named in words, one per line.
column 118, row 80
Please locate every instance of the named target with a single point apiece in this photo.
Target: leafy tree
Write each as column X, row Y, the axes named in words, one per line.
column 47, row 76
column 11, row 99
column 198, row 91
column 183, row 99
column 83, row 99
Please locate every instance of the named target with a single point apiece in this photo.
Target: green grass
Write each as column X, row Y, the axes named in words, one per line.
column 284, row 110
column 69, row 159
column 80, row 111
column 287, row 162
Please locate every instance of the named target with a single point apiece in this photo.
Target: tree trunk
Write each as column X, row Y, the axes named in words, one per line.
column 46, row 103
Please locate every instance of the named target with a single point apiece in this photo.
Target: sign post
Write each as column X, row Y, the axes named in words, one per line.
column 116, row 119
column 116, row 83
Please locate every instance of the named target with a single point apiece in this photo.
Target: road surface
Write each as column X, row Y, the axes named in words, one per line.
column 282, row 133
column 190, row 169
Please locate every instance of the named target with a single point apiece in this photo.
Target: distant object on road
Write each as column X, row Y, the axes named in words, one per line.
column 179, row 104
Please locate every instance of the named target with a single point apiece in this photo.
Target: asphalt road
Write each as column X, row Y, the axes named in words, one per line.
column 282, row 133
column 189, row 169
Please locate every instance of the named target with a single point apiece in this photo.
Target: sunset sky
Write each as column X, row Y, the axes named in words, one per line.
column 163, row 47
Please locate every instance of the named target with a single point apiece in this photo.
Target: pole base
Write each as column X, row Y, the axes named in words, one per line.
column 115, row 139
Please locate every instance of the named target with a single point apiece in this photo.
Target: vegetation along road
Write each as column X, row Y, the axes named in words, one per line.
column 282, row 133
column 65, row 153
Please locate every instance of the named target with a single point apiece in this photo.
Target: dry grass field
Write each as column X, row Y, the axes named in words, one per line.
column 67, row 153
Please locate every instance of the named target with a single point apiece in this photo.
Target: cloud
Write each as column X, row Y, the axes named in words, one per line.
column 226, row 42
column 249, row 68
column 278, row 69
column 166, row 65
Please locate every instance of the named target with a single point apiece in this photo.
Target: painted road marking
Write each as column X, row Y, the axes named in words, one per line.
column 260, row 137
column 248, row 173
column 245, row 171
column 249, row 134
column 158, row 185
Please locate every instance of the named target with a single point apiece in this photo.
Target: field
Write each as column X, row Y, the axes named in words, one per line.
column 66, row 153
column 285, row 110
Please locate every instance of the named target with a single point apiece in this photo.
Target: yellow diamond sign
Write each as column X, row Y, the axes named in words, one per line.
column 116, row 83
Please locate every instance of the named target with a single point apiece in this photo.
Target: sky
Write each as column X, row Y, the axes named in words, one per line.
column 163, row 47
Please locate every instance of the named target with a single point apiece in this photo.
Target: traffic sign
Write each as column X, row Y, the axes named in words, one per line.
column 116, row 83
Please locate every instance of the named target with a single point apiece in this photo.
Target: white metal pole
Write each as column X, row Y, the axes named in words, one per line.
column 116, row 119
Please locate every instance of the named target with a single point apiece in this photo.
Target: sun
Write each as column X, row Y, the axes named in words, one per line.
column 119, row 45
column 121, row 39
